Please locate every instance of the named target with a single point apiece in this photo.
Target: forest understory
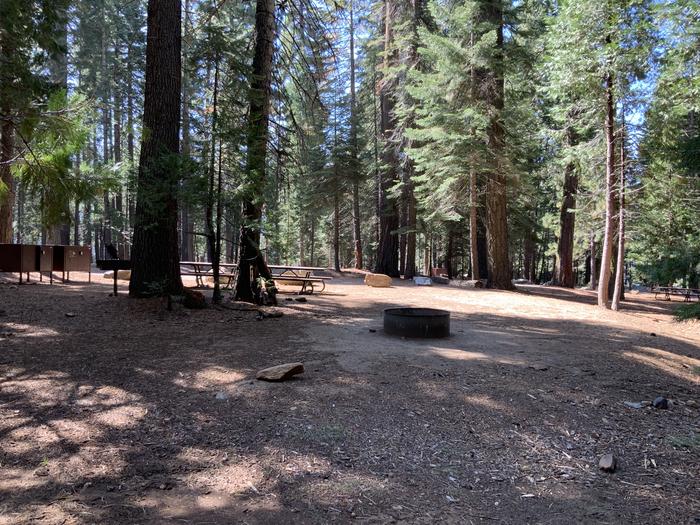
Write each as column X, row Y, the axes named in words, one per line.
column 119, row 411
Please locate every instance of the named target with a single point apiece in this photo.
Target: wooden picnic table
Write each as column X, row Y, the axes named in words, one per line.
column 668, row 291
column 299, row 274
column 201, row 269
column 282, row 273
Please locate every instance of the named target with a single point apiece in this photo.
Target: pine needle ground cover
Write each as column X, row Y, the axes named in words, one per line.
column 125, row 412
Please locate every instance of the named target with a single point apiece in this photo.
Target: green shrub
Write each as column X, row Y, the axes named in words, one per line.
column 688, row 312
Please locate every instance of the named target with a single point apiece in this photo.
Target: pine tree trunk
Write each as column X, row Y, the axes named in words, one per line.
column 7, row 198
column 564, row 275
column 356, row 219
column 408, row 251
column 410, row 270
column 130, row 190
column 214, row 196
column 336, row 232
column 606, row 257
column 403, row 218
column 21, row 197
column 619, row 290
column 186, row 222
column 302, row 244
column 76, row 222
column 473, row 226
column 528, row 250
column 388, row 248
column 593, row 269
column 250, row 257
column 491, row 92
column 155, row 254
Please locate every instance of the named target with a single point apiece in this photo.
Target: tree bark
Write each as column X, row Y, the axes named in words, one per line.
column 619, row 290
column 336, row 232
column 250, row 257
column 593, row 267
column 564, row 273
column 155, row 254
column 7, row 197
column 213, row 228
column 388, row 248
column 411, row 215
column 473, row 226
column 186, row 222
column 356, row 219
column 491, row 92
column 606, row 256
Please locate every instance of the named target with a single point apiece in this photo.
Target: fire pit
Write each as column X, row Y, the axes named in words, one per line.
column 417, row 322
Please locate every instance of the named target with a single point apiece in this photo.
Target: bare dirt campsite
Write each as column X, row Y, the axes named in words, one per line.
column 372, row 261
column 119, row 411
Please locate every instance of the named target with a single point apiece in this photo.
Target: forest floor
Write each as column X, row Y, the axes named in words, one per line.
column 115, row 410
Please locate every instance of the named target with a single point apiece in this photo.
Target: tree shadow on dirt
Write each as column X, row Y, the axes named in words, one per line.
column 113, row 417
column 631, row 303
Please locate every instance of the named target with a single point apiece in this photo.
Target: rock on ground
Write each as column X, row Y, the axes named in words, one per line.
column 280, row 372
column 608, row 463
column 378, row 280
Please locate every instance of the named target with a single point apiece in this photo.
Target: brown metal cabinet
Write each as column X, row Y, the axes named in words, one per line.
column 68, row 259
column 44, row 261
column 18, row 258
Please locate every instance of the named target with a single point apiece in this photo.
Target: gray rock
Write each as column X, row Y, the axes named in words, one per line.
column 634, row 404
column 221, row 396
column 280, row 372
column 608, row 463
column 661, row 403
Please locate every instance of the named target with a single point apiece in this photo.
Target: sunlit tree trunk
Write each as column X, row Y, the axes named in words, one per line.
column 606, row 256
column 618, row 292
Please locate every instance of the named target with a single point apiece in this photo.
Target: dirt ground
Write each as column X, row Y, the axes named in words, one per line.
column 115, row 410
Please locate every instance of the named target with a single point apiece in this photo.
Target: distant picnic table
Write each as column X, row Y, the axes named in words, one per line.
column 203, row 269
column 669, row 291
column 301, row 275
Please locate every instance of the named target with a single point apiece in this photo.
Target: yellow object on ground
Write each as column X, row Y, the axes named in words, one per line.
column 378, row 280
column 123, row 275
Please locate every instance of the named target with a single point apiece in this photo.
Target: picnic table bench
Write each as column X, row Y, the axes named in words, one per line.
column 669, row 291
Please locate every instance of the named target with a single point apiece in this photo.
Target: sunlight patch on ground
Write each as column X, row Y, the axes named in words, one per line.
column 485, row 401
column 39, row 391
column 210, row 377
column 106, row 396
column 457, row 354
column 667, row 362
column 344, row 489
column 231, row 474
column 122, row 417
column 182, row 506
column 13, row 479
column 19, row 330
